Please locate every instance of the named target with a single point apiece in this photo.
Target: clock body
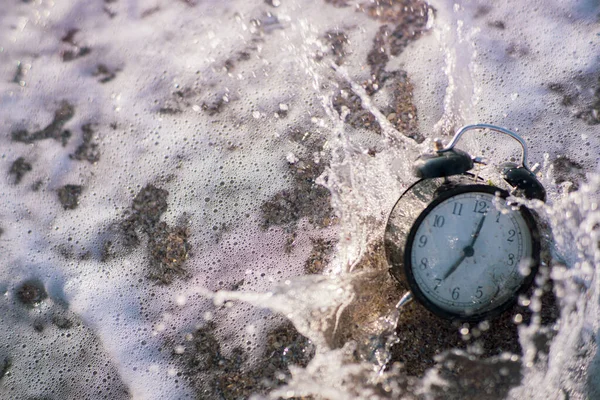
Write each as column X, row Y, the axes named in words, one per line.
column 463, row 251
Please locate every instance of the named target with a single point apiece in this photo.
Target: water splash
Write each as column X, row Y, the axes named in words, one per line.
column 364, row 187
column 198, row 105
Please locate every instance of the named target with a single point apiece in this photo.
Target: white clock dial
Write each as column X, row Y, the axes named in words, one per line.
column 467, row 255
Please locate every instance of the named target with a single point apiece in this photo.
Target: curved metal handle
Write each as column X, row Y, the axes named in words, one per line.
column 464, row 129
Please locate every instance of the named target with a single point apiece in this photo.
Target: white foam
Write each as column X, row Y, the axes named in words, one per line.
column 219, row 169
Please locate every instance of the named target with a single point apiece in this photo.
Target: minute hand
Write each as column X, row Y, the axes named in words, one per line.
column 467, row 251
column 454, row 266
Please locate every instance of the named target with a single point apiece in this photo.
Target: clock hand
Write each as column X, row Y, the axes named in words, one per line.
column 476, row 234
column 455, row 265
column 467, row 251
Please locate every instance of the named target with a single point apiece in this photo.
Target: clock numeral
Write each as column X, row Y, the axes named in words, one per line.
column 498, row 216
column 455, row 293
column 481, row 207
column 511, row 235
column 438, row 222
column 479, row 292
column 438, row 282
column 423, row 264
column 457, row 210
column 422, row 241
column 511, row 259
column 496, row 292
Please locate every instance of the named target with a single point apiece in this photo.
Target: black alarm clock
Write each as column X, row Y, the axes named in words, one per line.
column 465, row 251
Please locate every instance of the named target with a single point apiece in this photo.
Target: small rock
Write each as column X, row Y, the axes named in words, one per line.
column 570, row 171
column 104, row 73
column 68, row 196
column 19, row 168
column 62, row 322
column 31, row 293
column 4, row 366
column 291, row 158
column 88, row 150
column 54, row 130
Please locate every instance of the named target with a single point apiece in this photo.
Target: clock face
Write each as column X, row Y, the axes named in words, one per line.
column 468, row 254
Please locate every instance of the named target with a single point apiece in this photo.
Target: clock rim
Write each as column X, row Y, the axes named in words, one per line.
column 523, row 287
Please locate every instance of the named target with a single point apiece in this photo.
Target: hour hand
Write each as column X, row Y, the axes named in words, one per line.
column 477, row 230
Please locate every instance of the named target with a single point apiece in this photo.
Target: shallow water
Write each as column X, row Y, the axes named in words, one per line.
column 195, row 194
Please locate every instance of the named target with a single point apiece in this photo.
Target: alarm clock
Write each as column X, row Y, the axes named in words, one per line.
column 463, row 248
